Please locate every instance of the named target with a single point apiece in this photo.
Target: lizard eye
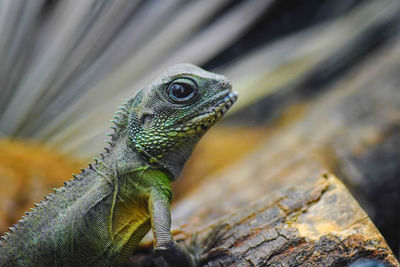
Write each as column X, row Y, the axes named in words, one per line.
column 182, row 90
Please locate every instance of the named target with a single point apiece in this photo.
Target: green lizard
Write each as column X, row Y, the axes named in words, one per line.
column 99, row 217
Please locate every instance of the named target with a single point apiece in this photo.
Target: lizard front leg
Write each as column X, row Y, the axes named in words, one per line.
column 164, row 244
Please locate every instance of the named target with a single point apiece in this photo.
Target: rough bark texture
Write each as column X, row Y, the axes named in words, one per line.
column 314, row 221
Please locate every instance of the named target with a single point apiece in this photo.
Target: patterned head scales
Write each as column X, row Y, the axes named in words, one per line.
column 168, row 118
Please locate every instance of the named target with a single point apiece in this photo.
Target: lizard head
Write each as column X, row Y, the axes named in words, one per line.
column 169, row 117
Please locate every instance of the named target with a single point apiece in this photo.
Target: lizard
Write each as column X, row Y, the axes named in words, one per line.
column 99, row 216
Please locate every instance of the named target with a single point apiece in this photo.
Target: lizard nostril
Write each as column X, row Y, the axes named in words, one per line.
column 226, row 84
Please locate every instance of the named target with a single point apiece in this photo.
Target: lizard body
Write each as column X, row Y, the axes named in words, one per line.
column 99, row 217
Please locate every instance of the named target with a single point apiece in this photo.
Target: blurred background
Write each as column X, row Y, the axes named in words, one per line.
column 316, row 77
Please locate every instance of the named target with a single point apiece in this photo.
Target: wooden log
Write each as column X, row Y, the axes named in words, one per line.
column 247, row 217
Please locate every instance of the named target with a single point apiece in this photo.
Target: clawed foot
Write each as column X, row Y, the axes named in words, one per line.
column 196, row 253
column 214, row 254
column 209, row 250
column 174, row 255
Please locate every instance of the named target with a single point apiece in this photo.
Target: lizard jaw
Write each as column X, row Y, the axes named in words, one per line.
column 205, row 120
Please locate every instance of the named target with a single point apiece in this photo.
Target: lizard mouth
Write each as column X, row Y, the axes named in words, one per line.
column 206, row 119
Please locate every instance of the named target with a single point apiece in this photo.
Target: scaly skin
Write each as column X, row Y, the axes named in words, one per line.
column 99, row 217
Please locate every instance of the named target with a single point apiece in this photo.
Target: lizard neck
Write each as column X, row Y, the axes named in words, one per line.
column 122, row 159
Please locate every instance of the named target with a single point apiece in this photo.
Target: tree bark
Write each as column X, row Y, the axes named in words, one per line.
column 245, row 216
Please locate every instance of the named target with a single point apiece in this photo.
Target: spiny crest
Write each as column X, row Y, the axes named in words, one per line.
column 120, row 122
column 20, row 223
column 48, row 198
column 67, row 184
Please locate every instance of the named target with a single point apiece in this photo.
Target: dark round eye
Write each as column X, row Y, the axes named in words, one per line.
column 182, row 91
